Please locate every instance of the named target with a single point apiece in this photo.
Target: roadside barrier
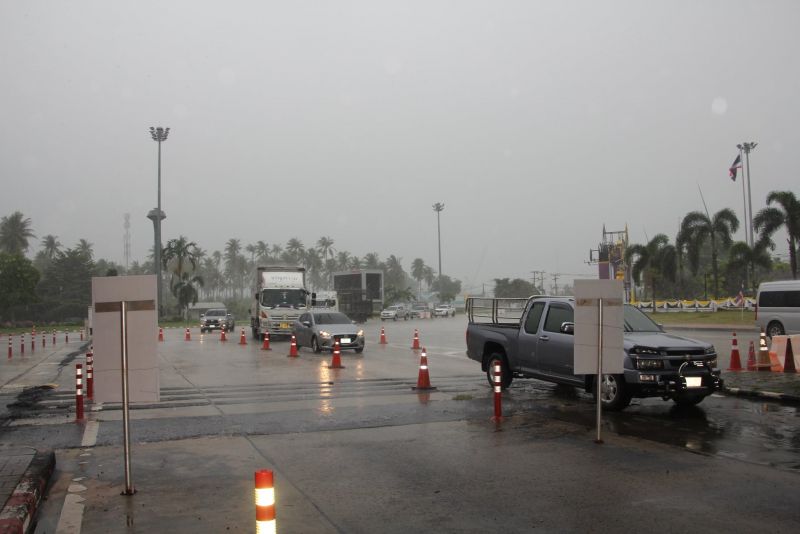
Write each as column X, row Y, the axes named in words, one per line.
column 44, row 340
column 10, row 348
column 383, row 336
column 161, row 334
column 54, row 338
column 79, row 392
column 415, row 342
column 242, row 338
column 751, row 357
column 33, row 340
column 764, row 363
column 293, row 348
column 66, row 336
column 336, row 359
column 22, row 344
column 736, row 362
column 423, row 379
column 498, row 392
column 188, row 335
column 265, row 502
column 90, row 374
column 265, row 346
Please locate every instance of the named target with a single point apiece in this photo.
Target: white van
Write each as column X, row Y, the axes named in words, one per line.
column 778, row 307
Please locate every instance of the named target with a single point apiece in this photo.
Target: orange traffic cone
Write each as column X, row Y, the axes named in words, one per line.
column 423, row 380
column 763, row 354
column 736, row 362
column 161, row 334
column 222, row 335
column 188, row 335
column 788, row 365
column 415, row 344
column 242, row 338
column 293, row 348
column 265, row 346
column 383, row 336
column 336, row 360
column 751, row 357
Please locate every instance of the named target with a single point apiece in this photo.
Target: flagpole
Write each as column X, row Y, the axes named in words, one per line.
column 747, row 148
column 744, row 204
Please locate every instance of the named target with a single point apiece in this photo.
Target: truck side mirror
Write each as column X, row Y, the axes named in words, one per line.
column 568, row 328
column 313, row 299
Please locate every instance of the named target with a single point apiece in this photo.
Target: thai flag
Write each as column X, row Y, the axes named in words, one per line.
column 737, row 164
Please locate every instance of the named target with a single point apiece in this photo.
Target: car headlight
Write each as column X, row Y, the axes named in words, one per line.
column 323, row 333
column 644, row 363
column 710, row 350
column 360, row 333
column 712, row 363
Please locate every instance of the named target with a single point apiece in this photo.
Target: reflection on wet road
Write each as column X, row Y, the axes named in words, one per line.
column 763, row 433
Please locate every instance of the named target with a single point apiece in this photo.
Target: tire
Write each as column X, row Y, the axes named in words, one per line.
column 506, row 377
column 315, row 345
column 614, row 396
column 689, row 400
column 255, row 333
column 359, row 350
column 395, row 318
column 775, row 328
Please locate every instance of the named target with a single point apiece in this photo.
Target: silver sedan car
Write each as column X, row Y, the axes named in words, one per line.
column 319, row 330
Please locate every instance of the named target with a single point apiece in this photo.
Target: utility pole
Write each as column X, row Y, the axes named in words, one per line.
column 159, row 135
column 555, row 282
column 438, row 208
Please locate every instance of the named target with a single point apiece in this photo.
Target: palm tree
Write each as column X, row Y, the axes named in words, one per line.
column 656, row 259
column 232, row 262
column 342, row 260
column 295, row 250
column 85, row 248
column 183, row 288
column 418, row 273
column 770, row 219
column 178, row 253
column 372, row 261
column 325, row 245
column 742, row 258
column 697, row 228
column 429, row 275
column 262, row 252
column 355, row 263
column 51, row 246
column 277, row 251
column 15, row 230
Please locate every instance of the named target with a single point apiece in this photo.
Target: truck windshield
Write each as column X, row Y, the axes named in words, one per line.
column 637, row 321
column 283, row 298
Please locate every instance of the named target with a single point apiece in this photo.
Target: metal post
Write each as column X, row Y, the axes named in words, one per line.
column 598, row 439
column 438, row 207
column 129, row 490
column 744, row 202
column 748, row 148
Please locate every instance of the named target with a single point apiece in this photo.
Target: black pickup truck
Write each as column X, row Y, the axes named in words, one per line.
column 533, row 338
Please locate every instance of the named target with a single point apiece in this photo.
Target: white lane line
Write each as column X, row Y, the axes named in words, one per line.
column 90, row 434
column 71, row 515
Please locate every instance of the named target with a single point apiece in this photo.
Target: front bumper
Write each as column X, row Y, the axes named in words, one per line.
column 354, row 343
column 671, row 384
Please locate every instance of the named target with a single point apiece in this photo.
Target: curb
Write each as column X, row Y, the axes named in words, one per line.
column 18, row 512
column 766, row 395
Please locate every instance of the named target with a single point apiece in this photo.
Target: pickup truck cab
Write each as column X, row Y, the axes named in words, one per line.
column 535, row 338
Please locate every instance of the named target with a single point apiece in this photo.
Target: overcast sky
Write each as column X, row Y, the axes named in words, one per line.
column 534, row 122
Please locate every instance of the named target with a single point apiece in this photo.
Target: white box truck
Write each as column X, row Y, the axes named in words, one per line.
column 280, row 298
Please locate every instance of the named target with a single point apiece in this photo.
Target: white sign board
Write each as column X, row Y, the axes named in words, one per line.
column 588, row 296
column 139, row 293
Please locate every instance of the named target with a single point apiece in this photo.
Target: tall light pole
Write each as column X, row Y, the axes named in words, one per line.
column 157, row 215
column 747, row 148
column 438, row 207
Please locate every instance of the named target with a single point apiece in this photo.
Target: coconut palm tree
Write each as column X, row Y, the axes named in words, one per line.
column 325, row 245
column 51, row 246
column 185, row 291
column 85, row 248
column 770, row 219
column 697, row 228
column 429, row 275
column 418, row 273
column 262, row 252
column 181, row 257
column 15, row 230
column 355, row 263
column 233, row 261
column 656, row 260
column 295, row 250
column 343, row 260
column 372, row 261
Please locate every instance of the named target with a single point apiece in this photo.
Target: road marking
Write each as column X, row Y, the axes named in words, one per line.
column 71, row 515
column 90, row 434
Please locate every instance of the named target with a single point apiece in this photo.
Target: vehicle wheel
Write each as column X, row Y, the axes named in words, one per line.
column 395, row 318
column 255, row 333
column 775, row 329
column 689, row 400
column 315, row 345
column 506, row 377
column 613, row 395
column 359, row 350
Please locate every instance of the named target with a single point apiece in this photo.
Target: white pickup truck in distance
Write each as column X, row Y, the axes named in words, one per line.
column 534, row 338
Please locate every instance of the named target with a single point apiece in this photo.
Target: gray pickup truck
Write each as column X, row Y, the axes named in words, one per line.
column 533, row 338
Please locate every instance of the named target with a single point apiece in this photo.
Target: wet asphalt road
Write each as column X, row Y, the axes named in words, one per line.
column 214, row 388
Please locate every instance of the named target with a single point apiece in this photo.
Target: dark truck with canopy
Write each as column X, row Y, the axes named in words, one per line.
column 534, row 338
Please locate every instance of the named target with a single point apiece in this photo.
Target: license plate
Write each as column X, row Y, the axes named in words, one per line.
column 284, row 326
column 344, row 340
column 694, row 381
